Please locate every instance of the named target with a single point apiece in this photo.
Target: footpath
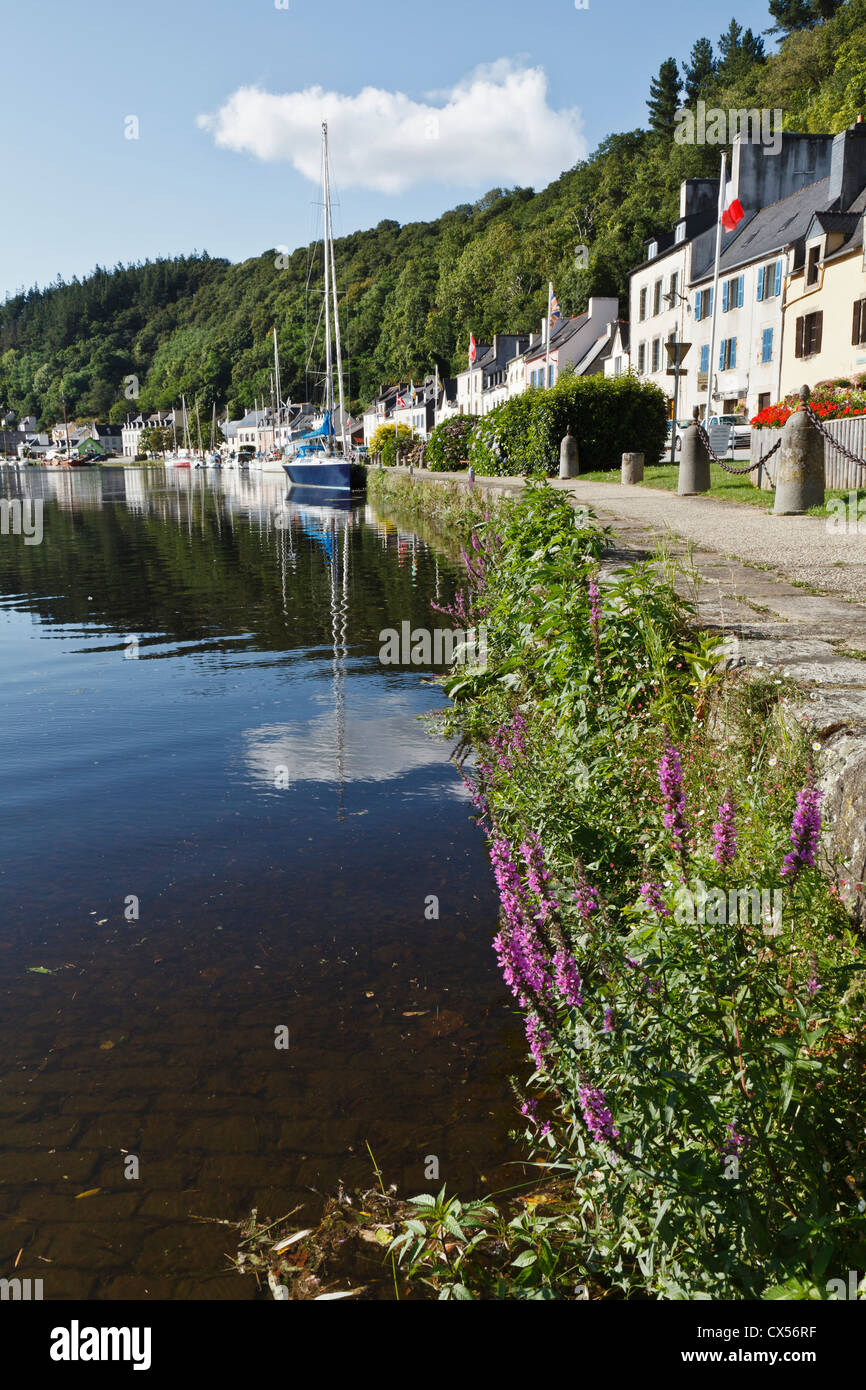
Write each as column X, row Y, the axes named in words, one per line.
column 788, row 594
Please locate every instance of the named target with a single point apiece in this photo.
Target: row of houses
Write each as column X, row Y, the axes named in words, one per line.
column 792, row 279
column 511, row 364
column 792, row 291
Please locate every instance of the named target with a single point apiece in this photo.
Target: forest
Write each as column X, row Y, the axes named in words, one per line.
column 138, row 336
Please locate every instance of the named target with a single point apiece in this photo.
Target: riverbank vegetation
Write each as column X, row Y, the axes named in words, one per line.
column 693, row 1105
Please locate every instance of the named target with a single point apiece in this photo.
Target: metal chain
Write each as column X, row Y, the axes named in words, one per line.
column 705, row 440
column 836, row 443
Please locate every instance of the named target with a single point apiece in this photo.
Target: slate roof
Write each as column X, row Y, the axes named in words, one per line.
column 563, row 332
column 768, row 230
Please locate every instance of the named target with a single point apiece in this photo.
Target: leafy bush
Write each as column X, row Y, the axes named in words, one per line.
column 607, row 416
column 386, row 440
column 690, row 984
column 447, row 447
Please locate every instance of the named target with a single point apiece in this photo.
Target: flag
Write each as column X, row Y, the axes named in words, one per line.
column 401, row 404
column 473, row 350
column 732, row 213
column 555, row 311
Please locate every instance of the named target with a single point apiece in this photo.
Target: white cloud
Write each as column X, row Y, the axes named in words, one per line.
column 495, row 126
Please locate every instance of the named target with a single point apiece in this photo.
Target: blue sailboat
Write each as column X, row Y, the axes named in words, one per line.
column 324, row 459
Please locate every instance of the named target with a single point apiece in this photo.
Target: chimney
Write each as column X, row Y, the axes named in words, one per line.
column 848, row 165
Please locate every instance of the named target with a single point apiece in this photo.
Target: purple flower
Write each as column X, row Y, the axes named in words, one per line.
column 725, row 833
column 736, row 1143
column 671, row 783
column 652, row 896
column 608, row 1021
column 805, row 831
column 529, row 1108
column 538, row 1038
column 566, row 980
column 596, row 1115
column 594, row 604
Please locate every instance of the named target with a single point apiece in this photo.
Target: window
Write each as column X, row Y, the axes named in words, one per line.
column 680, row 233
column 703, row 304
column 858, row 329
column 727, row 354
column 764, row 400
column 657, row 352
column 767, row 345
column 657, row 297
column 551, row 375
column 642, row 304
column 641, row 358
column 807, row 338
column 769, row 280
column 705, row 358
column 812, row 262
column 673, row 288
column 652, row 250
column 732, row 294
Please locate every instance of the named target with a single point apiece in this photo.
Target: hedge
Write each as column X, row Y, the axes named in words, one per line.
column 448, row 444
column 608, row 416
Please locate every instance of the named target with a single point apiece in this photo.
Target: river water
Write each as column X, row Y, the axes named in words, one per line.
column 222, row 831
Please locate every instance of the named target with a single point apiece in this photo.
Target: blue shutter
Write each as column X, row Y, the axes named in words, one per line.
column 732, row 353
column 767, row 345
column 740, row 283
column 777, row 283
column 725, row 297
column 705, row 357
column 712, row 294
column 722, row 354
column 698, row 302
column 761, row 274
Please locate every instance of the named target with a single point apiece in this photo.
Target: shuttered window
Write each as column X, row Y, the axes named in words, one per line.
column 807, row 334
column 858, row 329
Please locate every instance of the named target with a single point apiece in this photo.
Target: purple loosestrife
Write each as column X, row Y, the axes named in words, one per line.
column 652, row 896
column 671, row 783
column 725, row 833
column 537, row 876
column 585, row 895
column 805, row 831
column 594, row 620
column 736, row 1143
column 608, row 1021
column 596, row 1115
column 566, row 980
column 538, row 1038
column 522, row 957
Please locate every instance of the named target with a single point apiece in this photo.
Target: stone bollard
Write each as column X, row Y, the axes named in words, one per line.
column 632, row 468
column 569, row 464
column 694, row 474
column 800, row 472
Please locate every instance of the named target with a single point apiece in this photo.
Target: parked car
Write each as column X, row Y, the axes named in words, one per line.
column 681, row 425
column 740, row 425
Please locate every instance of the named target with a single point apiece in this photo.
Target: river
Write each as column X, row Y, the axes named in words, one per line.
column 246, row 914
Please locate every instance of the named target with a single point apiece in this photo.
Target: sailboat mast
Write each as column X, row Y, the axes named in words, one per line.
column 330, row 241
column 329, row 369
column 277, row 379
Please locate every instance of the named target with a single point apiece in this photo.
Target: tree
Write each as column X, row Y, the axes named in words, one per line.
column 699, row 71
column 156, row 439
column 791, row 15
column 664, row 98
column 739, row 50
column 384, row 442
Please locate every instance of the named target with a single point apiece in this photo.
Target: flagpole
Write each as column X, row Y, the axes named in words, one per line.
column 547, row 333
column 711, row 363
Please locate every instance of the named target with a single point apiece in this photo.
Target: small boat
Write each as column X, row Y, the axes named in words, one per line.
column 324, row 459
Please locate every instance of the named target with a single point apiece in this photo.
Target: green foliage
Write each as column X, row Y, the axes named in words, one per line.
column 664, row 98
column 608, row 417
column 449, row 442
column 698, row 1095
column 387, row 439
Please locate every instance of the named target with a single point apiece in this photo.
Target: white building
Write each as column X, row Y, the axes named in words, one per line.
column 578, row 343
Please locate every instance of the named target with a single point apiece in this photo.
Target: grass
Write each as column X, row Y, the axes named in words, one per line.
column 724, row 486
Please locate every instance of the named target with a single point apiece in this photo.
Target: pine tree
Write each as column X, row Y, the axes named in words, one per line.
column 739, row 50
column 664, row 98
column 699, row 70
column 791, row 15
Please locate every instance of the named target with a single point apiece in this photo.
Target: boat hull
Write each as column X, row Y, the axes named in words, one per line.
column 337, row 475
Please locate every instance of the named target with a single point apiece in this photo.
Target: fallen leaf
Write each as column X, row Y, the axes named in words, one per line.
column 91, row 1192
column 39, row 970
column 106, row 1046
column 290, row 1240
column 415, row 1013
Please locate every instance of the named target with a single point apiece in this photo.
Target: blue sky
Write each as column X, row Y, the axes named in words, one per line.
column 553, row 82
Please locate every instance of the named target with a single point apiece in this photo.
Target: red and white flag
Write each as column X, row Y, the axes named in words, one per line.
column 401, row 404
column 473, row 350
column 732, row 212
